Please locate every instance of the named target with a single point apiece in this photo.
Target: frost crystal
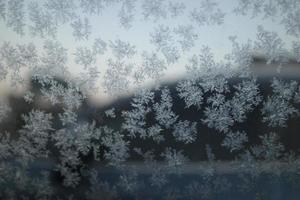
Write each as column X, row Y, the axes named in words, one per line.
column 163, row 41
column 29, row 97
column 99, row 46
column 241, row 56
column 15, row 15
column 135, row 119
column 100, row 188
column 17, row 58
column 270, row 45
column 35, row 135
column 152, row 67
column 81, row 29
column 122, row 49
column 68, row 96
column 175, row 160
column 163, row 110
column 208, row 14
column 3, row 72
column 188, row 36
column 85, row 57
column 127, row 13
column 245, row 99
column 234, row 141
column 4, row 110
column 110, row 113
column 278, row 108
column 62, row 11
column 218, row 114
column 176, row 9
column 43, row 23
column 288, row 11
column 185, row 131
column 296, row 50
column 118, row 147
column 276, row 111
column 53, row 60
column 116, row 80
column 291, row 23
column 2, row 9
column 191, row 93
column 271, row 148
column 92, row 6
column 154, row 9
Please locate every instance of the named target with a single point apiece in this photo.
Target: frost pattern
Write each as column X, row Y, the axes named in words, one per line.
column 122, row 49
column 62, row 11
column 126, row 14
column 208, row 14
column 3, row 9
column 164, row 42
column 270, row 45
column 135, row 119
column 185, row 131
column 287, row 10
column 235, row 141
column 59, row 140
column 85, row 57
column 278, row 107
column 116, row 80
column 153, row 66
column 4, row 110
column 81, row 29
column 15, row 15
column 176, row 8
column 155, row 9
column 163, row 110
column 188, row 35
column 43, row 23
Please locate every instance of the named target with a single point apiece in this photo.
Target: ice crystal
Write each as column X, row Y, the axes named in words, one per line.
column 234, row 141
column 188, row 36
column 208, row 14
column 164, row 41
column 3, row 9
column 5, row 109
column 191, row 93
column 15, row 15
column 176, row 9
column 175, row 160
column 85, row 57
column 127, row 13
column 271, row 148
column 53, row 61
column 122, row 49
column 99, row 46
column 135, row 119
column 81, row 29
column 270, row 45
column 116, row 79
column 163, row 110
column 17, row 58
column 43, row 23
column 62, row 11
column 185, row 131
column 278, row 108
column 154, row 9
column 153, row 66
column 118, row 147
